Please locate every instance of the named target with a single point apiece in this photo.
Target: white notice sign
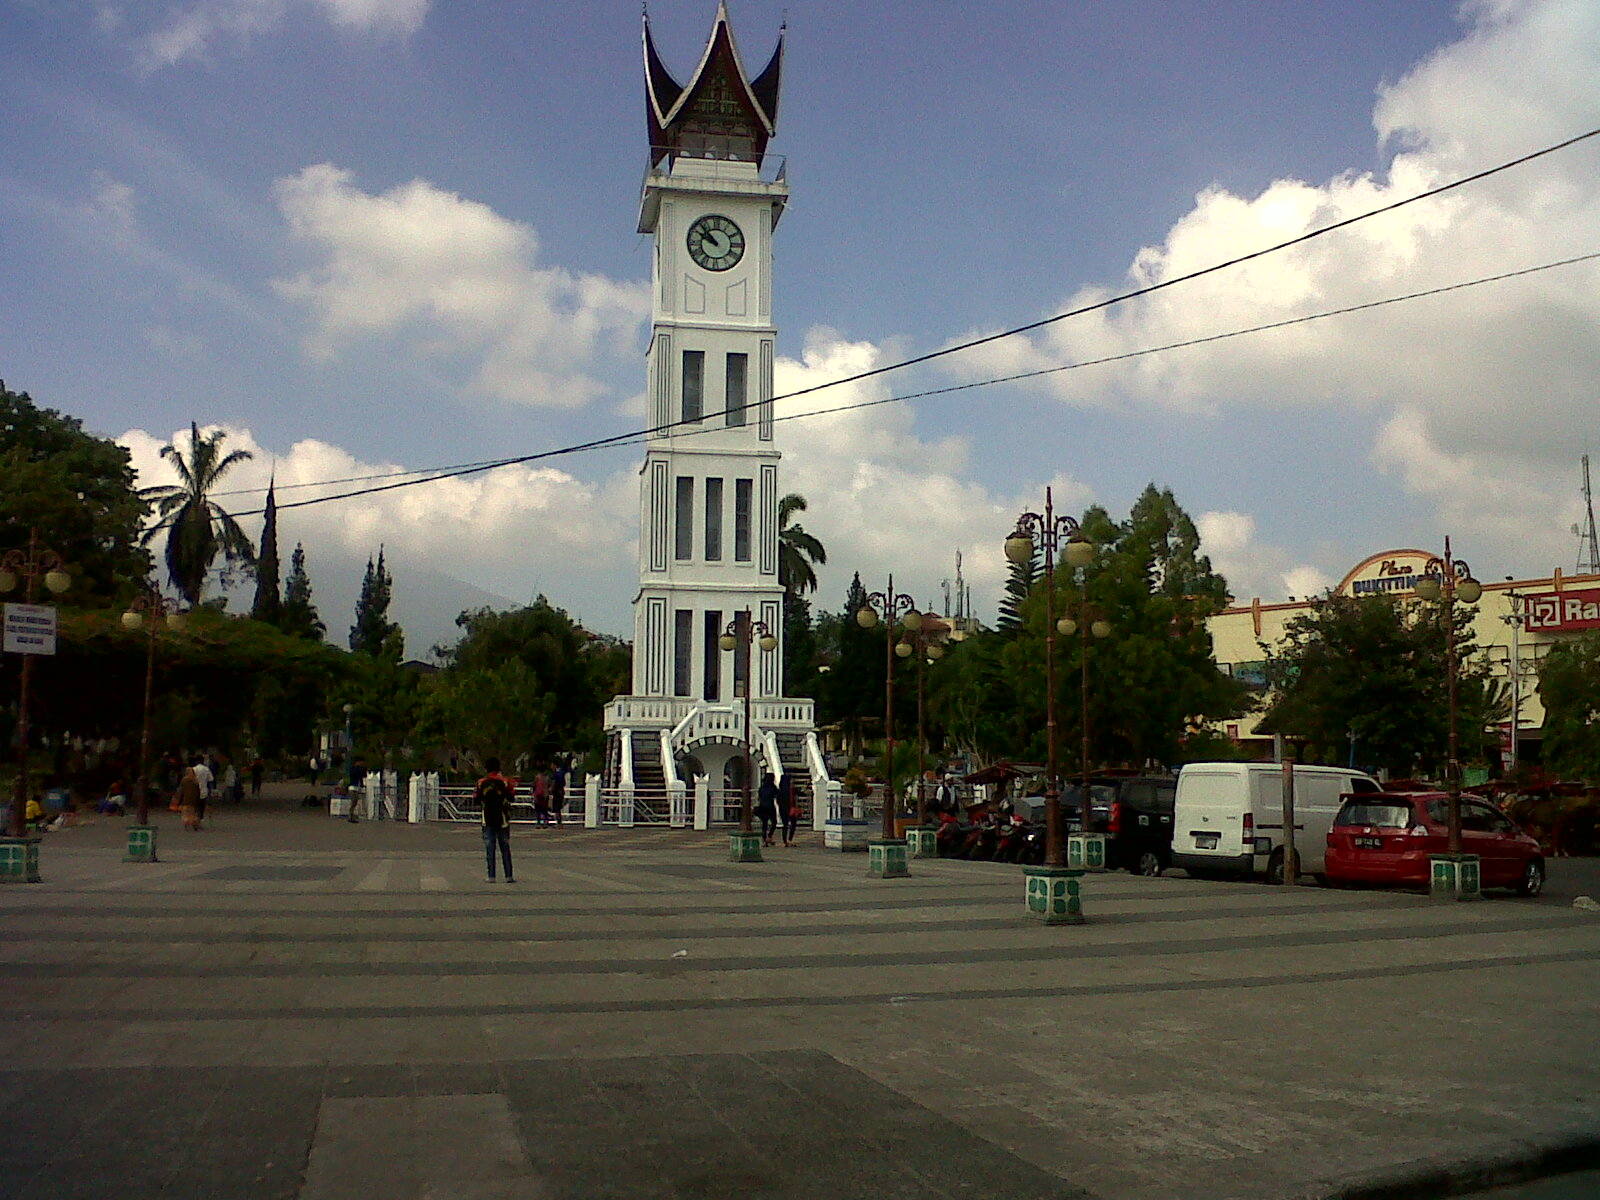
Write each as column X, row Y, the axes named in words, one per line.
column 30, row 629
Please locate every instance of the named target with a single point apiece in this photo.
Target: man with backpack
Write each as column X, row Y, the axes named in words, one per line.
column 494, row 793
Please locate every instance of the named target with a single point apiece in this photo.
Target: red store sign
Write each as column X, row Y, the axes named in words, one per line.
column 1563, row 612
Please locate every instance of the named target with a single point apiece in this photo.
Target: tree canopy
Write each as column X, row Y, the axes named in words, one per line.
column 373, row 633
column 198, row 529
column 77, row 492
column 1374, row 667
column 1569, row 687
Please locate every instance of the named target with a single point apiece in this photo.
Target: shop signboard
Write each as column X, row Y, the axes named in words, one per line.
column 1391, row 571
column 1566, row 611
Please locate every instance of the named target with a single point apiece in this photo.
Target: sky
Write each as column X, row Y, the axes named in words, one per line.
column 375, row 235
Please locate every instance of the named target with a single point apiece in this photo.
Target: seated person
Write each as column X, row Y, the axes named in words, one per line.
column 116, row 799
column 33, row 816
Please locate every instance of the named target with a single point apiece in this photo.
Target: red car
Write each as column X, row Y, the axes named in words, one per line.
column 1387, row 838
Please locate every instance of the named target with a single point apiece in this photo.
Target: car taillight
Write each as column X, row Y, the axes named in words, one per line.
column 1116, row 817
column 1249, row 833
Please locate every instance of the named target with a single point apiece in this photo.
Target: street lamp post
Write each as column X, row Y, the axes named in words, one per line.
column 1088, row 622
column 886, row 855
column 926, row 643
column 1454, row 875
column 350, row 762
column 148, row 611
column 1052, row 889
column 28, row 569
column 746, row 844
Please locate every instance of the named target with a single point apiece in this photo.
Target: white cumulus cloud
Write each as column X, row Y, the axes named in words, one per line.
column 195, row 30
column 1473, row 395
column 452, row 280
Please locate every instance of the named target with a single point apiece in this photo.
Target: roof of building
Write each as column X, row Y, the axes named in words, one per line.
column 670, row 105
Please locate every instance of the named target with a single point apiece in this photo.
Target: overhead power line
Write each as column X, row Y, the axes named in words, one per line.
column 641, row 435
column 1110, row 301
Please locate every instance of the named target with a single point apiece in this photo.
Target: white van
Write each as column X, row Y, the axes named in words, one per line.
column 1228, row 816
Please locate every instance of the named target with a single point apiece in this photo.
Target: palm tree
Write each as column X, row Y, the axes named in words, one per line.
column 797, row 549
column 197, row 528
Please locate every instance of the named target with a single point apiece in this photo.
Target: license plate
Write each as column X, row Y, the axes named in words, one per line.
column 1369, row 843
column 1206, row 841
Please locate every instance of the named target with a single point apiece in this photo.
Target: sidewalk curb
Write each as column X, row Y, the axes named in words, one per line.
column 1463, row 1177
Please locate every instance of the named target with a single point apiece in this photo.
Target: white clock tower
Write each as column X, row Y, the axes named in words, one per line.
column 708, row 496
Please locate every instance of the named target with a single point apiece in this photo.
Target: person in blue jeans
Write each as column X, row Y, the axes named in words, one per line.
column 494, row 793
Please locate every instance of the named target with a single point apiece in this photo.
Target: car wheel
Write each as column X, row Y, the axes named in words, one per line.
column 1532, row 882
column 1149, row 864
column 1275, row 868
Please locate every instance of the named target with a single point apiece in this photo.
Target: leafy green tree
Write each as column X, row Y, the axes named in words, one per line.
column 527, row 682
column 373, row 633
column 1374, row 666
column 76, row 491
column 1569, row 687
column 851, row 691
column 197, row 528
column 298, row 615
column 268, row 604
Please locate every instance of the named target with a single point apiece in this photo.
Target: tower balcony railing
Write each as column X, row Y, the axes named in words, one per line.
column 781, row 713
column 729, row 162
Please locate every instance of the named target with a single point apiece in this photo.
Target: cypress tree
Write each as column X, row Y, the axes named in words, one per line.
column 267, row 602
column 298, row 616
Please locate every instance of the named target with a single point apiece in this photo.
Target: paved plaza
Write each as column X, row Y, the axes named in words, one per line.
column 294, row 1007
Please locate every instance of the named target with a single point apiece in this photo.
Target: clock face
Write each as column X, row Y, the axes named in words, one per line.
column 715, row 243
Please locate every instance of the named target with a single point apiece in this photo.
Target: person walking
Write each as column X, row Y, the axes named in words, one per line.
column 767, row 807
column 558, row 790
column 206, row 778
column 189, row 795
column 788, row 808
column 494, row 792
column 258, row 770
column 541, row 797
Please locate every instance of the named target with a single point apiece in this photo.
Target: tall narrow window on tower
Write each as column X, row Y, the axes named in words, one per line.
column 742, row 489
column 694, row 384
column 682, row 650
column 683, row 535
column 738, row 379
column 713, row 520
column 713, row 660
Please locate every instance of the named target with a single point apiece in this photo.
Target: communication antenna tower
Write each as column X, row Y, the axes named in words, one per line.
column 1588, row 544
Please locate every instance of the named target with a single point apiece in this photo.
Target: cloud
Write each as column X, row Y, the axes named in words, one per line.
column 449, row 279
column 110, row 207
column 194, row 30
column 1485, row 388
column 1251, row 567
column 514, row 531
column 885, row 499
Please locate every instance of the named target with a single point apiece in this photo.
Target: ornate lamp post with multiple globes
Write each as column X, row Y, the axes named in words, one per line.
column 926, row 643
column 19, row 854
column 886, row 855
column 743, row 631
column 1454, row 875
column 1053, row 893
column 148, row 611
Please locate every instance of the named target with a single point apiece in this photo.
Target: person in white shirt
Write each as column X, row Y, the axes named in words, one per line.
column 208, row 785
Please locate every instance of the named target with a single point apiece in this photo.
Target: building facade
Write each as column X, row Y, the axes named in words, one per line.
column 1516, row 622
column 709, row 490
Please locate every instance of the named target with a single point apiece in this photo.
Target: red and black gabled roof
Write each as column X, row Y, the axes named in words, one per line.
column 667, row 101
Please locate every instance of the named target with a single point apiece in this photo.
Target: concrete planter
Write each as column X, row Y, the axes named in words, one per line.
column 1054, row 894
column 886, row 858
column 1455, row 877
column 847, row 834
column 1086, row 851
column 141, row 844
column 744, row 847
column 19, row 859
column 922, row 841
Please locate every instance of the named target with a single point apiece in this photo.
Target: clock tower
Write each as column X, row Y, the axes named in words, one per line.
column 708, row 495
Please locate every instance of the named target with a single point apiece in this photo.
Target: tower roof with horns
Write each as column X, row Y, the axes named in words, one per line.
column 721, row 112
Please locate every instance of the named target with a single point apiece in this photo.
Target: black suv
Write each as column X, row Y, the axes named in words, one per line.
column 1135, row 812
